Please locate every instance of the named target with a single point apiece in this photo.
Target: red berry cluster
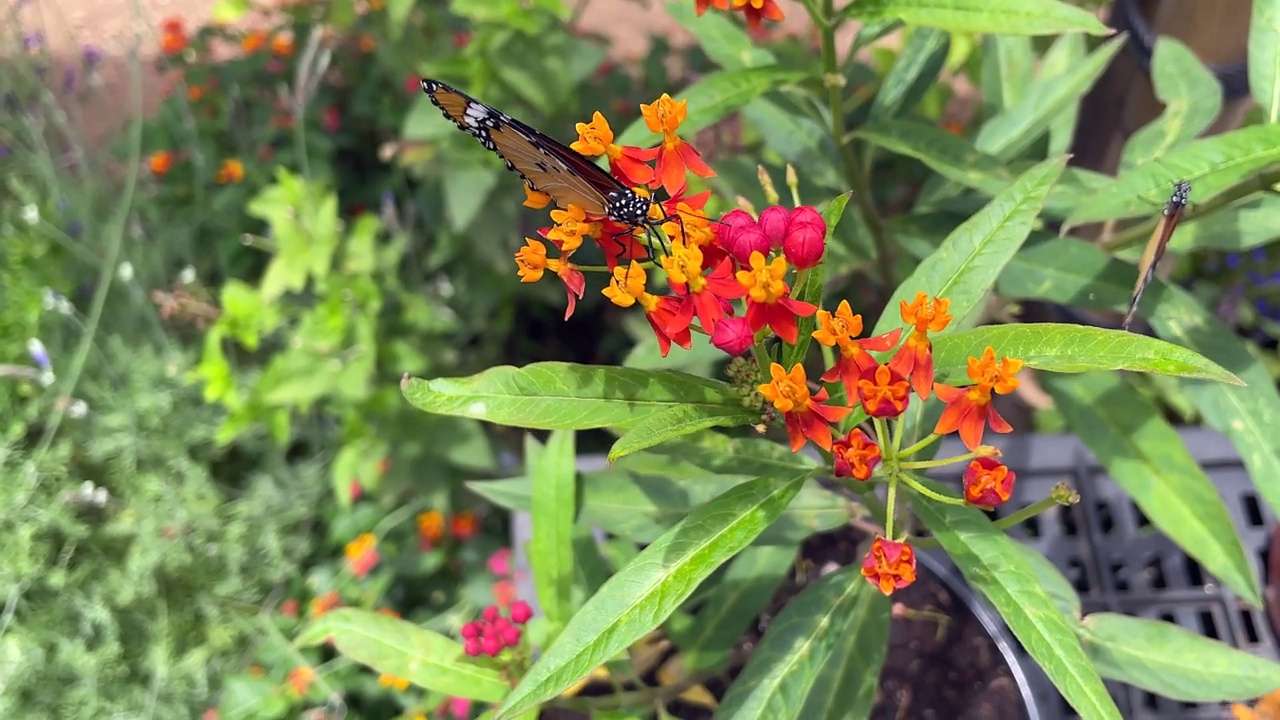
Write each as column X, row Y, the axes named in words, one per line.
column 493, row 632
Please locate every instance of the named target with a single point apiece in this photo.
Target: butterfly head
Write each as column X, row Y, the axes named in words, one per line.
column 628, row 207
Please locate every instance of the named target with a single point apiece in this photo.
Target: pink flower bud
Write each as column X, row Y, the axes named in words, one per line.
column 471, row 630
column 733, row 335
column 773, row 221
column 521, row 612
column 472, row 647
column 511, row 636
column 491, row 613
column 491, row 645
column 731, row 223
column 746, row 241
column 806, row 238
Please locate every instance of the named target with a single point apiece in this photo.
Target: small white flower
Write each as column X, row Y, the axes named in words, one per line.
column 100, row 497
column 77, row 409
column 49, row 299
column 125, row 271
column 47, row 377
column 30, row 214
column 187, row 276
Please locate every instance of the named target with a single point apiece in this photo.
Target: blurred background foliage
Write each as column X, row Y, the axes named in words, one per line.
column 225, row 296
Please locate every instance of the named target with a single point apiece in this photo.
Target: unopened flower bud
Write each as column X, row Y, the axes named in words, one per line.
column 773, row 221
column 732, row 335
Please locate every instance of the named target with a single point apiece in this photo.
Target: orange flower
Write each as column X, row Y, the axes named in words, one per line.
column 366, row 43
column 532, row 262
column 702, row 294
column 160, row 162
column 504, row 593
column 676, row 158
column 430, row 528
column 194, row 93
column 464, row 525
column 571, row 226
column 856, row 455
column 969, row 410
column 254, row 41
column 628, row 164
column 702, row 5
column 839, row 329
column 805, row 415
column 173, row 37
column 391, row 681
column 282, row 45
column 362, row 554
column 915, row 358
column 890, row 565
column 884, row 392
column 757, row 10
column 231, row 171
column 300, row 679
column 988, row 483
column 323, row 604
column 532, row 198
column 769, row 300
column 627, row 288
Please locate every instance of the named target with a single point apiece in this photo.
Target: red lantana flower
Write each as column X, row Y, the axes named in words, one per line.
column 805, row 415
column 915, row 358
column 769, row 301
column 890, row 565
column 839, row 329
column 988, row 483
column 969, row 410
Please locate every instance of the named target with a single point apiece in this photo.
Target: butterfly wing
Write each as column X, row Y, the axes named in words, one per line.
column 545, row 164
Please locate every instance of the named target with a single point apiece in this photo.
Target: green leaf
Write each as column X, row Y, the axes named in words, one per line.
column 967, row 264
column 1147, row 458
column 566, row 396
column 714, row 96
column 398, row 17
column 1008, row 62
column 1211, row 165
column 677, row 422
column 1264, row 58
column 994, row 565
column 800, row 140
column 723, row 40
column 999, row 17
column 721, row 454
column 950, row 156
column 915, row 71
column 847, row 682
column 783, row 670
column 1174, row 662
column 1192, row 99
column 1066, row 52
column 1054, row 583
column 732, row 605
column 1012, row 131
column 646, row 591
column 1072, row 349
column 1074, row 272
column 400, row 648
column 553, row 510
column 466, row 193
column 229, row 12
column 1250, row 223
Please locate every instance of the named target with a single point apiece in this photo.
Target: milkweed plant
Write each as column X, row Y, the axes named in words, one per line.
column 823, row 411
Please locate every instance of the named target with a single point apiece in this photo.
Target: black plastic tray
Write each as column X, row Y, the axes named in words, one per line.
column 1118, row 562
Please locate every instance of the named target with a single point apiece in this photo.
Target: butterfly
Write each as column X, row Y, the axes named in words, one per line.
column 1156, row 245
column 544, row 163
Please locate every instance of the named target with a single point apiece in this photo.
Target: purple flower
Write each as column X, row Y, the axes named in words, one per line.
column 1259, row 254
column 1233, row 261
column 91, row 56
column 31, row 41
column 68, row 80
column 39, row 355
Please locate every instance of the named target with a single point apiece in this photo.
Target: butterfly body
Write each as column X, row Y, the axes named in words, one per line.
column 544, row 163
column 1156, row 245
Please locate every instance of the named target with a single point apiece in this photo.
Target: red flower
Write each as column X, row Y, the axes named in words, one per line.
column 676, row 158
column 884, row 392
column 532, row 262
column 703, row 294
column 915, row 358
column 464, row 525
column 839, row 329
column 362, row 554
column 769, row 302
column 856, row 455
column 969, row 410
column 890, row 565
column 627, row 288
column 805, row 238
column 805, row 416
column 702, row 5
column 988, row 483
column 733, row 335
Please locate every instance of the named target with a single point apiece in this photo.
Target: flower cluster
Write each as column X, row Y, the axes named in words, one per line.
column 463, row 526
column 731, row 279
column 492, row 632
column 753, row 10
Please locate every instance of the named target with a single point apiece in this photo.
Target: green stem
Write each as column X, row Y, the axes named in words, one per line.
column 939, row 497
column 833, row 80
column 891, row 500
column 925, row 464
column 913, row 449
column 1029, row 511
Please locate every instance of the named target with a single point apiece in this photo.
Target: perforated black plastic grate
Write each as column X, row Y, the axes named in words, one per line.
column 1118, row 562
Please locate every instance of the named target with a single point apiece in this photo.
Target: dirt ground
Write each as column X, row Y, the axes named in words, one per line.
column 117, row 27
